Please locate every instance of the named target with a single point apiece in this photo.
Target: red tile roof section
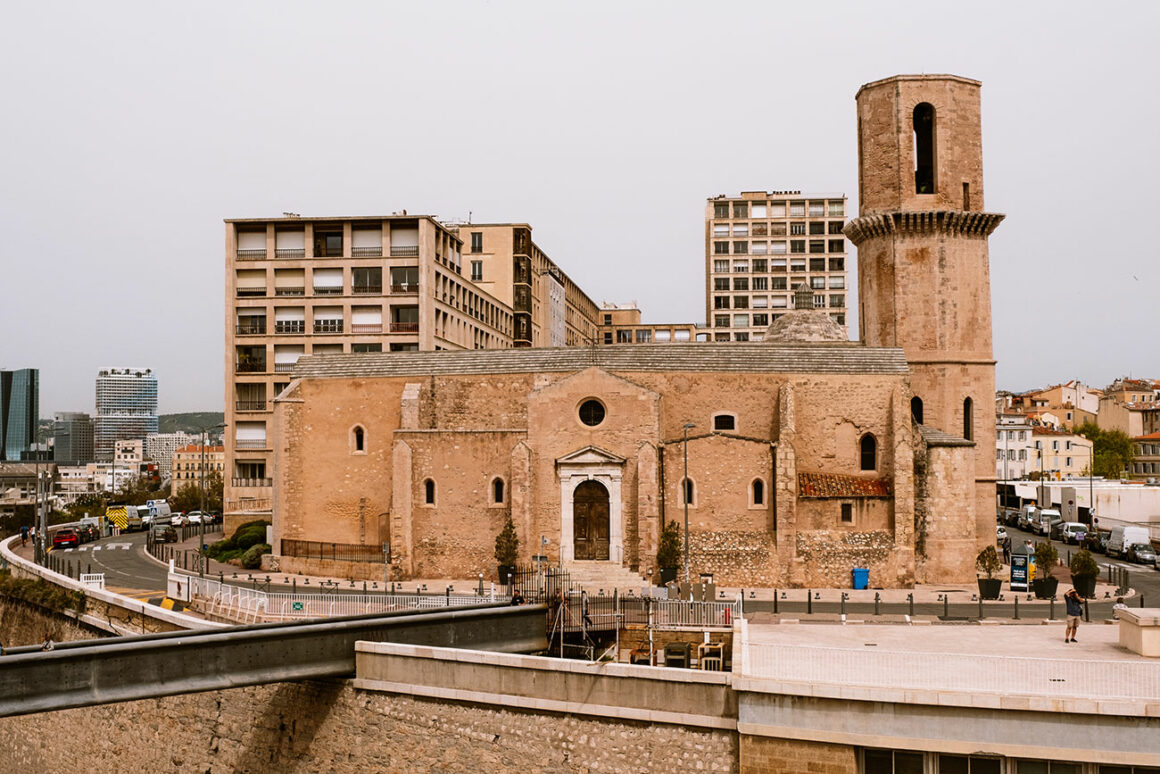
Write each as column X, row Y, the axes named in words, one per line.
column 833, row 485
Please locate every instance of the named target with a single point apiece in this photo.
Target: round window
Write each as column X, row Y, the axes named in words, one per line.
column 592, row 412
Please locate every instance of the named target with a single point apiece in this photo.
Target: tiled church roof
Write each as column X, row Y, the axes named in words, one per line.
column 834, row 485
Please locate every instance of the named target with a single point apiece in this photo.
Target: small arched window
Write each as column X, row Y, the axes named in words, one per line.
column 429, row 492
column 497, row 491
column 868, row 452
column 758, row 490
column 916, row 409
column 358, row 439
column 689, row 492
column 725, row 422
column 924, row 149
column 968, row 419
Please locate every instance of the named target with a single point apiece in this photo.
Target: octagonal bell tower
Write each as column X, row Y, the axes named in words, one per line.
column 923, row 276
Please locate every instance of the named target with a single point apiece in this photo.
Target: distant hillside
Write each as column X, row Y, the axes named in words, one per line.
column 190, row 423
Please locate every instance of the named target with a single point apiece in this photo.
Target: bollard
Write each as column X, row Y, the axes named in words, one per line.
column 946, row 606
column 1086, row 617
column 876, row 598
column 294, row 585
column 447, row 597
column 1016, row 607
column 1111, row 570
column 980, row 607
column 90, row 570
column 1127, row 580
column 364, row 587
column 742, row 601
column 1051, row 610
column 1141, row 600
column 775, row 601
column 809, row 601
column 844, row 596
column 910, row 603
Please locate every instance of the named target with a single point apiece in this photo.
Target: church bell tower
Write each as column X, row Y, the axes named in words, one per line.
column 923, row 277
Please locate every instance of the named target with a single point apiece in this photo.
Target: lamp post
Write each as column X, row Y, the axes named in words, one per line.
column 201, row 488
column 685, row 492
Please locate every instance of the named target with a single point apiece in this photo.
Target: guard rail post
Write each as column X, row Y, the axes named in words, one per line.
column 1016, row 597
column 910, row 603
column 809, row 601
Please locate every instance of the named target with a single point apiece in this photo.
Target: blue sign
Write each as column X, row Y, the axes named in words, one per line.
column 1019, row 572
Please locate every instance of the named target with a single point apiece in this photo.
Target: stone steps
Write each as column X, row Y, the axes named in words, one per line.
column 595, row 576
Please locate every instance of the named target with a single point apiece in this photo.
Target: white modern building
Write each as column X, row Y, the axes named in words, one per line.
column 160, row 447
column 126, row 407
column 1014, row 448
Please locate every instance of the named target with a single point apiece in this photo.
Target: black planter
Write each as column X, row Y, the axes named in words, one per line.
column 1045, row 588
column 1085, row 585
column 668, row 575
column 504, row 570
column 989, row 588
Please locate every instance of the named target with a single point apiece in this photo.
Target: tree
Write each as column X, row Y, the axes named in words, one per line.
column 188, row 497
column 1111, row 449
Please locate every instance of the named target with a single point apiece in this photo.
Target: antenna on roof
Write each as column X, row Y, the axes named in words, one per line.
column 291, row 214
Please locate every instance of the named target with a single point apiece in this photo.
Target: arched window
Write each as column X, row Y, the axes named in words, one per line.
column 429, row 492
column 724, row 422
column 497, row 491
column 358, row 440
column 968, row 419
column 916, row 409
column 868, row 452
column 758, row 490
column 689, row 493
column 924, row 149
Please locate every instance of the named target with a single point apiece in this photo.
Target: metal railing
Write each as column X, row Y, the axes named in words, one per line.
column 249, row 405
column 405, row 252
column 252, row 482
column 246, row 443
column 250, row 367
column 327, row 290
column 289, row 291
column 366, row 252
column 367, row 289
column 94, row 580
column 328, row 326
column 249, row 504
column 404, row 327
column 405, row 287
column 339, row 552
column 290, row 252
column 969, row 673
column 251, row 255
column 283, row 368
column 290, row 326
column 366, row 328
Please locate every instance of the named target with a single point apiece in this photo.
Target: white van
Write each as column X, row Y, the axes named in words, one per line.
column 156, row 512
column 1122, row 537
column 1045, row 519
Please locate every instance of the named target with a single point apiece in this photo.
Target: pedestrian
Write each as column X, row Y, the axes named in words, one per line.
column 584, row 609
column 1116, row 608
column 517, row 598
column 48, row 643
column 24, row 535
column 1074, row 611
column 1007, row 550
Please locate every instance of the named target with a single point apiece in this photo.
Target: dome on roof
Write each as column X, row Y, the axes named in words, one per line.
column 804, row 323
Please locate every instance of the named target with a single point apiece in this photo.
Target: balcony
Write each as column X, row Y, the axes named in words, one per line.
column 405, row 252
column 251, row 481
column 250, row 405
column 405, row 288
column 328, row 291
column 250, row 443
column 289, row 326
column 290, row 252
column 367, row 252
column 366, row 328
column 251, row 328
column 367, row 290
column 298, row 291
column 250, row 367
column 283, row 368
column 404, row 327
column 251, row 292
column 328, row 326
column 252, row 255
column 249, row 504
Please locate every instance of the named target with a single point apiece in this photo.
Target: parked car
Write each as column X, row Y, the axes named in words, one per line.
column 87, row 532
column 1142, row 553
column 65, row 538
column 1000, row 533
column 195, row 517
column 1096, row 542
column 163, row 533
column 1072, row 532
column 179, row 520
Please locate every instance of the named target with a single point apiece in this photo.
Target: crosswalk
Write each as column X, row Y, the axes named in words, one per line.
column 107, row 547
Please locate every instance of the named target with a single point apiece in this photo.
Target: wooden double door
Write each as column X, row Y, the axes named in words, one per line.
column 590, row 521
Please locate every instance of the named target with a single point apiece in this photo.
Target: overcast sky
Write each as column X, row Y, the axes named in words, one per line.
column 130, row 130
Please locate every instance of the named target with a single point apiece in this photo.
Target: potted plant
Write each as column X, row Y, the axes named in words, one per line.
column 507, row 551
column 669, row 552
column 988, row 561
column 1046, row 558
column 1084, row 572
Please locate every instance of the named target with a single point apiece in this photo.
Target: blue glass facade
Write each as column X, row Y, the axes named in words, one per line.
column 19, row 411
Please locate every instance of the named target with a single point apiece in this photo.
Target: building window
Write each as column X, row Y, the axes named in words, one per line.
column 847, row 513
column 608, row 337
column 719, row 267
column 968, row 419
column 740, row 248
column 916, row 409
column 366, row 347
column 477, row 241
column 688, row 493
column 608, row 317
column 797, row 245
column 757, row 492
column 817, row 246
column 924, row 149
column 429, row 492
column 741, row 209
column 624, row 337
column 740, row 283
column 868, row 452
column 835, row 227
column 497, row 491
column 592, row 412
column 358, row 440
column 720, row 321
column 797, row 228
column 643, row 336
column 719, row 283
column 817, row 227
column 720, row 302
column 725, row 422
column 721, row 248
column 760, row 265
column 720, row 209
column 476, row 271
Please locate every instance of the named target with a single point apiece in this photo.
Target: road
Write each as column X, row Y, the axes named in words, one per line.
column 123, row 561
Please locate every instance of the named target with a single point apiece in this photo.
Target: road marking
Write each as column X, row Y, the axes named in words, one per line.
column 123, row 546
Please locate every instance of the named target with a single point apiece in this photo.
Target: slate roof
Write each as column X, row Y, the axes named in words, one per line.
column 823, row 485
column 741, row 357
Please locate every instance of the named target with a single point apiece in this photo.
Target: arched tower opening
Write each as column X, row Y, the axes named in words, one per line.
column 925, row 165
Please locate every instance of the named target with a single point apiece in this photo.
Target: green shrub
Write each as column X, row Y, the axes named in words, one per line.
column 1083, row 565
column 252, row 558
column 669, row 550
column 245, row 536
column 41, row 593
column 507, row 545
column 988, row 561
column 1046, row 557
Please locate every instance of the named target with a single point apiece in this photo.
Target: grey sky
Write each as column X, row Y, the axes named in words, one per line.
column 131, row 130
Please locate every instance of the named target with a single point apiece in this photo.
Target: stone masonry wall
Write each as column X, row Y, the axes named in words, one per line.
column 329, row 726
column 763, row 755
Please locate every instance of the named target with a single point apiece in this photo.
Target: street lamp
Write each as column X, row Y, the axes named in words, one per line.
column 685, row 493
column 201, row 485
column 40, row 517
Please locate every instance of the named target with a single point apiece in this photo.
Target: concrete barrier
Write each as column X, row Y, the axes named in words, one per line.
column 1140, row 630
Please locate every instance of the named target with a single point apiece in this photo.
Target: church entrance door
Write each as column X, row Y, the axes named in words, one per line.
column 590, row 521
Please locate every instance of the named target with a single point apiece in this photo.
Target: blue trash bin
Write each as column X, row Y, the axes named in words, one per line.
column 861, row 577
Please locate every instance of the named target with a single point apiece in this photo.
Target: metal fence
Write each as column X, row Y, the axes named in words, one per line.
column 974, row 673
column 339, row 552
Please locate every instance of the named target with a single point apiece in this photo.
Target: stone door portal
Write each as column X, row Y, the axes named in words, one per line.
column 590, row 521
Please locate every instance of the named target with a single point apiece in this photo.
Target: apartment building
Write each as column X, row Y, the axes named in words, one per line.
column 126, row 408
column 160, row 447
column 1146, row 462
column 1015, row 453
column 72, row 438
column 548, row 308
column 761, row 245
column 190, row 464
column 621, row 324
column 299, row 286
column 1060, row 454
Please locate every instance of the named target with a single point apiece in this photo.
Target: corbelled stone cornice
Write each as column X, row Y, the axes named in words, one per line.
column 953, row 222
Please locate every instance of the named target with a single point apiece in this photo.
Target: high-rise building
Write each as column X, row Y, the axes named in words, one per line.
column 19, row 411
column 160, row 447
column 126, row 408
column 72, row 438
column 760, row 246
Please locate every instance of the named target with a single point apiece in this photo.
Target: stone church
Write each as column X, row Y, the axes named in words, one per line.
column 797, row 458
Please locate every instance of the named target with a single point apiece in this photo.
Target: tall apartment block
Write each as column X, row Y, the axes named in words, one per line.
column 548, row 308
column 126, row 408
column 622, row 324
column 299, row 286
column 72, row 438
column 761, row 245
column 19, row 411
